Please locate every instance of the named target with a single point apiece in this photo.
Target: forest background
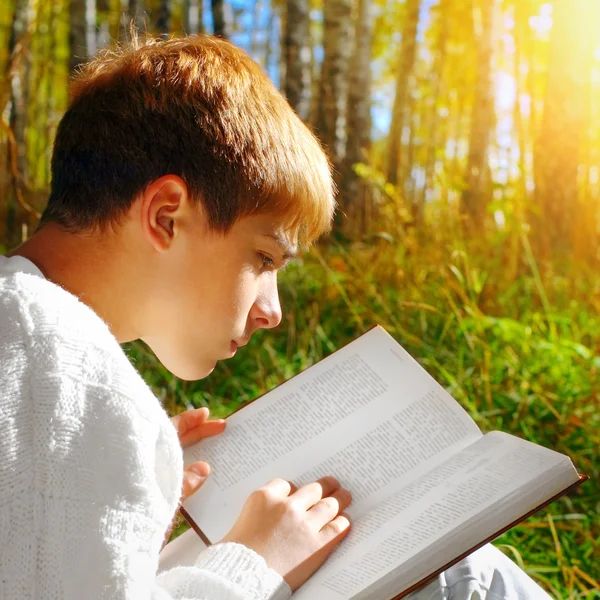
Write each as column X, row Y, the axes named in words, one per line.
column 465, row 136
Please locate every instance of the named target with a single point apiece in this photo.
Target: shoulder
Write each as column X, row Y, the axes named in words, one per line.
column 62, row 340
column 44, row 308
column 87, row 401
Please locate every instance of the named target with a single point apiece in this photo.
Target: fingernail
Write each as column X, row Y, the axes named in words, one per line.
column 201, row 469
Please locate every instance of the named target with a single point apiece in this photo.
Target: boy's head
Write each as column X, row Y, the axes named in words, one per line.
column 186, row 156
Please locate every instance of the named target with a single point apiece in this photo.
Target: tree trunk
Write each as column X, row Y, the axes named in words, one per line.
column 82, row 36
column 110, row 19
column 15, row 210
column 221, row 18
column 105, row 22
column 77, row 38
column 522, row 14
column 279, row 14
column 354, row 195
column 333, row 87
column 8, row 16
column 192, row 17
column 408, row 183
column 298, row 57
column 460, row 132
column 557, row 152
column 435, row 137
column 477, row 192
column 408, row 52
column 19, row 81
column 256, row 27
column 585, row 237
column 164, row 17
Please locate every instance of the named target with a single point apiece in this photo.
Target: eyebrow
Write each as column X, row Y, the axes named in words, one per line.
column 290, row 251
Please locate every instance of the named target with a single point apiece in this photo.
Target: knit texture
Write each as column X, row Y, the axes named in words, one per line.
column 90, row 464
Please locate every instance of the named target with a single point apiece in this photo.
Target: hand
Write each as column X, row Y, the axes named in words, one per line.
column 193, row 426
column 293, row 530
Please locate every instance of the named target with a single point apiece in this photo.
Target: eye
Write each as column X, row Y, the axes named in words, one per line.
column 267, row 261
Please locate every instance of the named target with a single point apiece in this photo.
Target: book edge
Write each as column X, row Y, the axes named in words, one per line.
column 194, row 526
column 425, row 580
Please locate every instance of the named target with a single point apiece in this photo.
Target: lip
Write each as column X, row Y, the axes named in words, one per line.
column 237, row 344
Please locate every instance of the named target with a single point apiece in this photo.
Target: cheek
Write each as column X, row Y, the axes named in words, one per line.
column 243, row 294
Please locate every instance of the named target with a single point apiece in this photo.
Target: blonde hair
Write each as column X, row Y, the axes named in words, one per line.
column 197, row 107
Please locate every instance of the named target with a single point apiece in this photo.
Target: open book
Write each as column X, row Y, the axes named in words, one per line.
column 428, row 487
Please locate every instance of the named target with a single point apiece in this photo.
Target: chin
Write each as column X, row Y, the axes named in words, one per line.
column 186, row 369
column 192, row 372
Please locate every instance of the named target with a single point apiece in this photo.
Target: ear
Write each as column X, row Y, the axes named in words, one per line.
column 165, row 203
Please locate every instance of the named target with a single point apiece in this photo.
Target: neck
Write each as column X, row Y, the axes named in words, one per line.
column 86, row 265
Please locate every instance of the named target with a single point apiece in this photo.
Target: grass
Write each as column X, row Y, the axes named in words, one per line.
column 520, row 355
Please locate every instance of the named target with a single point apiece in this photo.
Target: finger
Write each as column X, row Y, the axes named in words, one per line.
column 190, row 418
column 279, row 487
column 204, row 430
column 193, row 477
column 327, row 509
column 335, row 531
column 308, row 495
column 198, row 414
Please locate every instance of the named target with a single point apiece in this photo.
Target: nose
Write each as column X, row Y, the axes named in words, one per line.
column 266, row 310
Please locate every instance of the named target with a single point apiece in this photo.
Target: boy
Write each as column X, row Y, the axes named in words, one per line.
column 181, row 183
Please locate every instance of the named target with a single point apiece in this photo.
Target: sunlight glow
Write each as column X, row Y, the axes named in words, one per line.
column 542, row 23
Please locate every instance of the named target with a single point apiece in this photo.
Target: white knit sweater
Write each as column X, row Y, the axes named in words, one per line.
column 90, row 465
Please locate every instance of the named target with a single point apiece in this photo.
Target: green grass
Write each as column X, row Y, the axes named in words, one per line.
column 519, row 355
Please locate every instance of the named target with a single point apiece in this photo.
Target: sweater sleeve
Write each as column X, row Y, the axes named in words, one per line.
column 90, row 461
column 223, row 571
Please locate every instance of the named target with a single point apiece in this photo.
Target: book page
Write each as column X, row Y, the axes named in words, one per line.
column 494, row 471
column 368, row 415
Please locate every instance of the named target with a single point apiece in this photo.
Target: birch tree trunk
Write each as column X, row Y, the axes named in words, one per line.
column 354, row 195
column 406, row 61
column 522, row 14
column 192, row 16
column 477, row 192
column 333, row 86
column 108, row 21
column 256, row 28
column 297, row 51
column 435, row 138
column 82, row 36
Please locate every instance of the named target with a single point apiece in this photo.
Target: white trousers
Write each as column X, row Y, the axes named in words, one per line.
column 487, row 574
